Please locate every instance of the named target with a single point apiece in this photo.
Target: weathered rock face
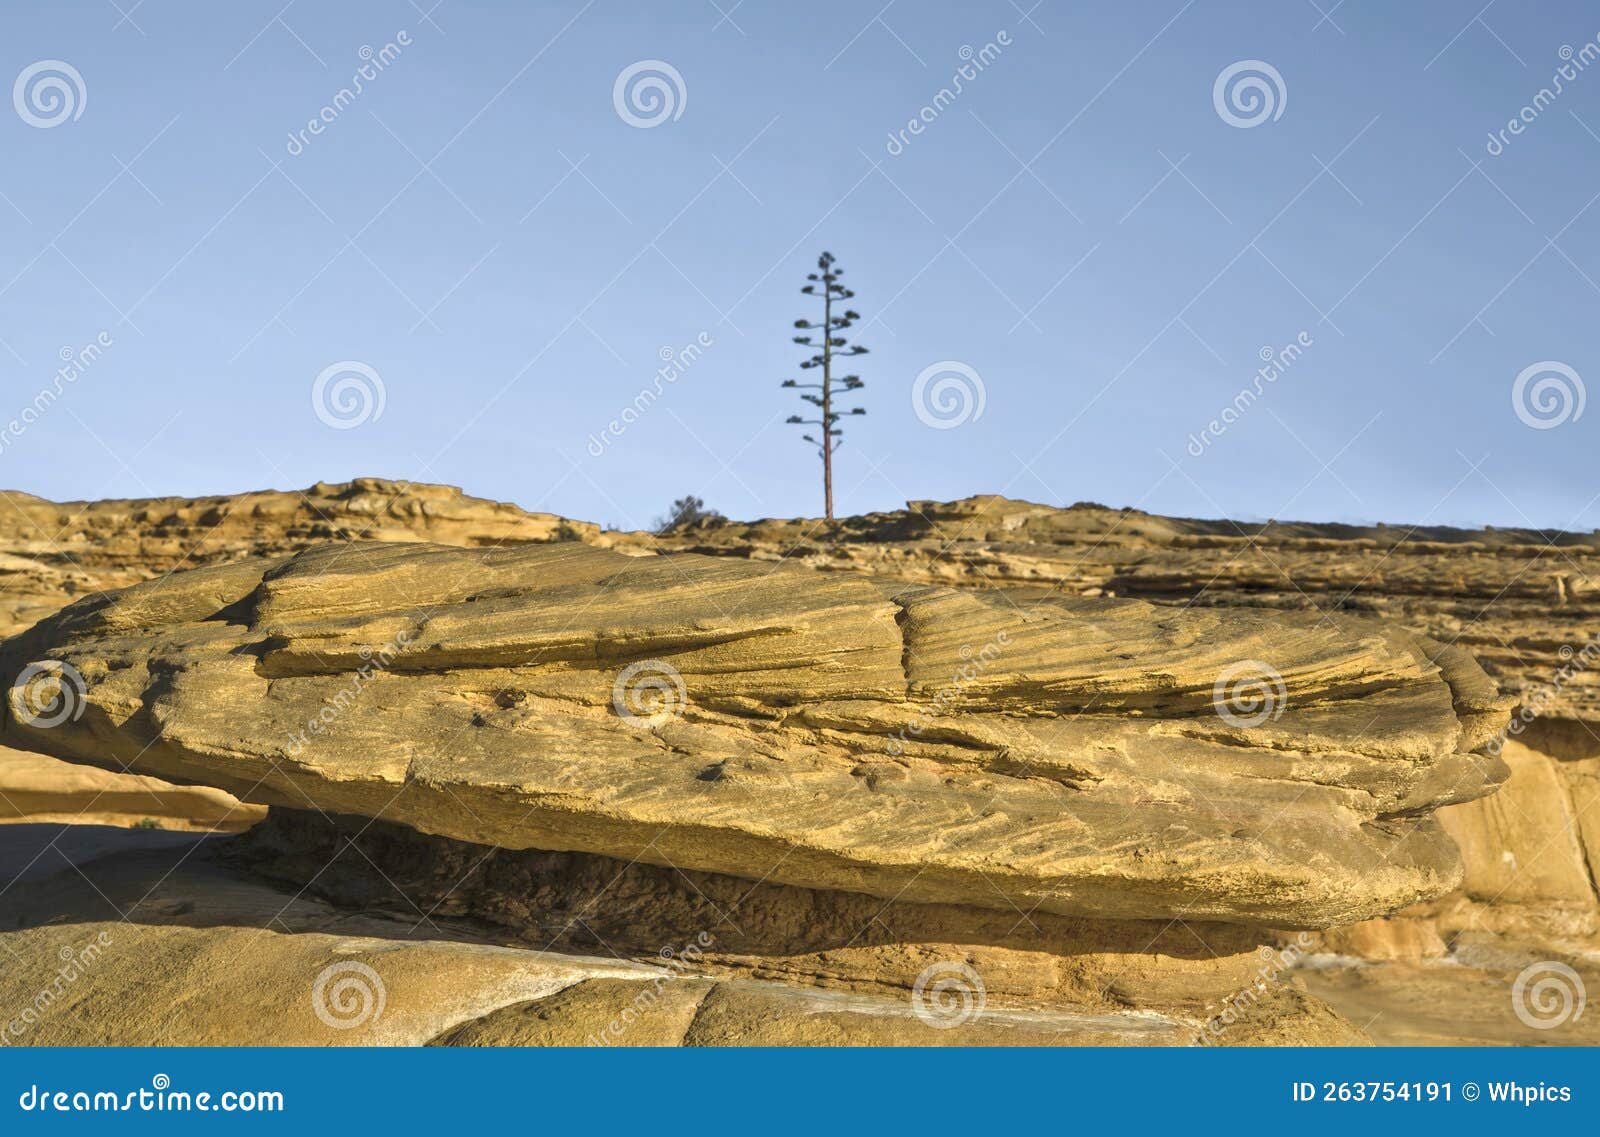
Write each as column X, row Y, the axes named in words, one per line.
column 1521, row 602
column 1512, row 598
column 54, row 552
column 168, row 948
column 590, row 905
column 1524, row 602
column 1535, row 857
column 1076, row 757
column 51, row 552
column 35, row 788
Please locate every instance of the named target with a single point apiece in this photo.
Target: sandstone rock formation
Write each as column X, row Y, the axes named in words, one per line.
column 205, row 957
column 35, row 788
column 903, row 741
column 1522, row 603
column 54, row 552
column 847, row 941
column 1512, row 597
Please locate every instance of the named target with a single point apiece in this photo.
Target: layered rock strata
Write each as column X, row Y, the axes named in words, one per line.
column 167, row 948
column 1080, row 758
column 1524, row 602
column 1521, row 601
column 52, row 553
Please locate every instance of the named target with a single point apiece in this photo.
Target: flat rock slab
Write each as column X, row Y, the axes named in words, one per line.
column 690, row 1012
column 120, row 984
column 146, row 949
column 1082, row 757
column 1446, row 1003
column 36, row 789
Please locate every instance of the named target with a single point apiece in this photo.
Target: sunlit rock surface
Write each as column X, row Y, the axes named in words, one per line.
column 828, row 732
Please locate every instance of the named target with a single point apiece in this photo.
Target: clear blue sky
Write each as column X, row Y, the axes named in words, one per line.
column 1079, row 226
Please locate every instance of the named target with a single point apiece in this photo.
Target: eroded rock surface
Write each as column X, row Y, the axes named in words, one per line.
column 35, row 788
column 1524, row 602
column 176, row 947
column 52, row 553
column 588, row 904
column 907, row 742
